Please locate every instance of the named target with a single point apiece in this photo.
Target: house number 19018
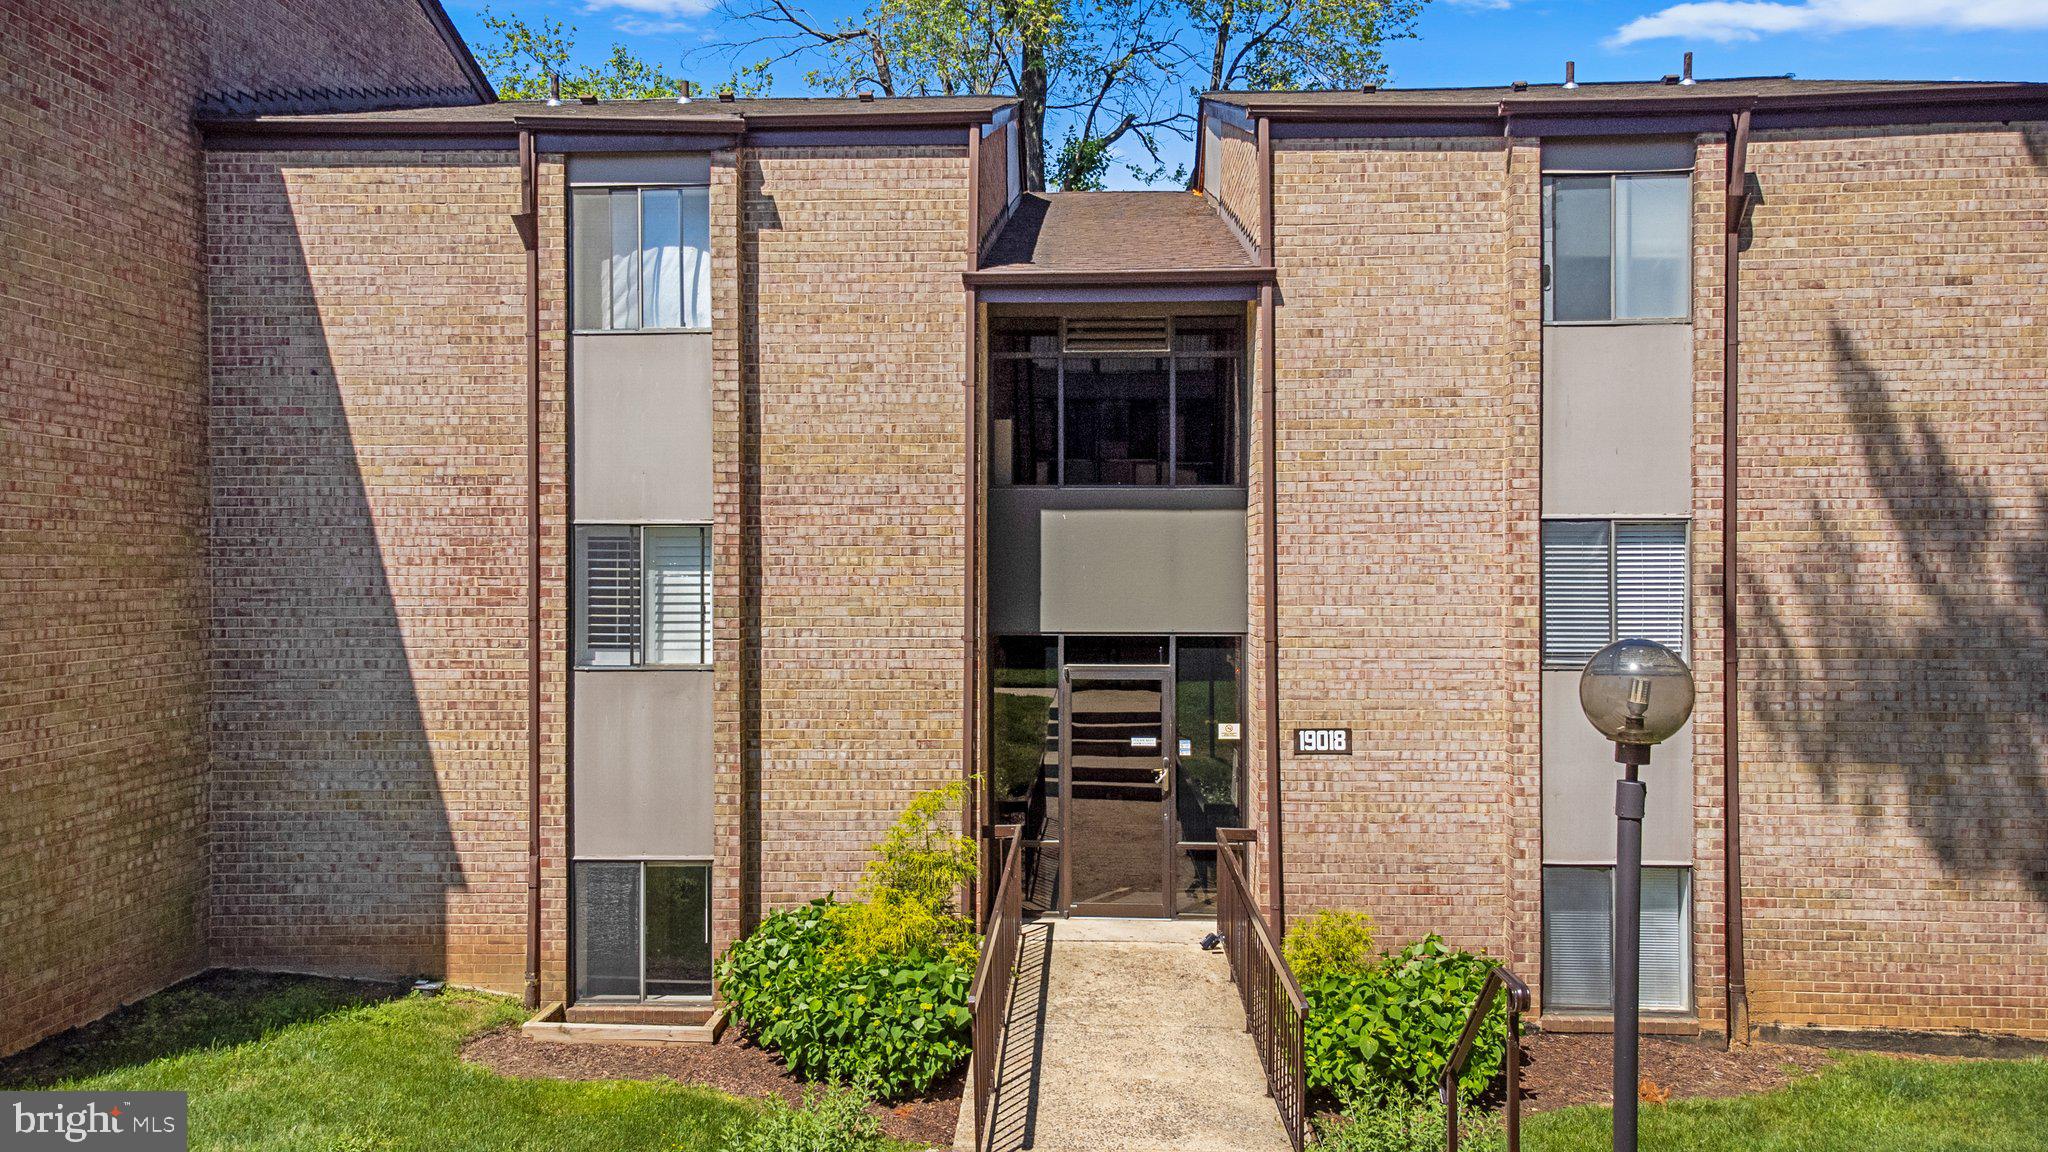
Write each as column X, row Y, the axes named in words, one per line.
column 1322, row 741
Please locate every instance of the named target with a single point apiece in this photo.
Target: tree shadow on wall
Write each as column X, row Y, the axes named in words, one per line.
column 332, row 842
column 1911, row 677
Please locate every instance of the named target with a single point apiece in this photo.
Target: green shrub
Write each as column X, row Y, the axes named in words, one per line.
column 1409, row 1126
column 1329, row 943
column 832, row 1120
column 893, row 925
column 896, row 1022
column 924, row 857
column 1384, row 1035
column 875, row 992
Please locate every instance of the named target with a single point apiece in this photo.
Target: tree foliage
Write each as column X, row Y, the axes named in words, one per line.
column 520, row 57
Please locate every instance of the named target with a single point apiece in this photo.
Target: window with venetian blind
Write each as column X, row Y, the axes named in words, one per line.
column 1578, row 939
column 1606, row 580
column 643, row 595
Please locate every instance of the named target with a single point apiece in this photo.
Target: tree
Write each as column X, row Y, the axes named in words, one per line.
column 520, row 59
column 1103, row 71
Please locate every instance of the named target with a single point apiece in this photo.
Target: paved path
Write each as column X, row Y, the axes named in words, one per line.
column 1126, row 1037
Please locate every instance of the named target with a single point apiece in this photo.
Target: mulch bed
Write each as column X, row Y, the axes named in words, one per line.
column 733, row 1066
column 1567, row 1069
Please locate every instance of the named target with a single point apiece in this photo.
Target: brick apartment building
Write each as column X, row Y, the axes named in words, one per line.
column 524, row 543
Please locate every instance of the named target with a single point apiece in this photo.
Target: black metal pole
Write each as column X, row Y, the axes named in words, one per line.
column 1629, row 796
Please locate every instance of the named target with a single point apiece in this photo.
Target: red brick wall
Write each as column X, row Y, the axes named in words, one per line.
column 368, row 559
column 103, row 465
column 1408, row 508
column 1895, row 556
column 852, row 351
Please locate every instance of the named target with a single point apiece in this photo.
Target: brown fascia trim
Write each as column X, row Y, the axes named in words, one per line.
column 1134, row 277
column 316, row 133
column 459, row 48
column 1988, row 102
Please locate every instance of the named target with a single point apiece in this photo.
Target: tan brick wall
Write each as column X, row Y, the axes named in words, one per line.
column 103, row 596
column 1239, row 167
column 852, row 553
column 1408, row 435
column 1894, row 484
column 368, row 559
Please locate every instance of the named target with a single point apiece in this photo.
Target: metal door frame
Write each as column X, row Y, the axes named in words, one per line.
column 1169, row 761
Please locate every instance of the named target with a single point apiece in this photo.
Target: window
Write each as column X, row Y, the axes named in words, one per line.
column 642, row 929
column 1606, row 580
column 1578, row 939
column 643, row 595
column 1617, row 247
column 1117, row 402
column 642, row 258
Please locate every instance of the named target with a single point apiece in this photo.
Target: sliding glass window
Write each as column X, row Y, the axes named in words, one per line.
column 641, row 258
column 1617, row 247
column 642, row 928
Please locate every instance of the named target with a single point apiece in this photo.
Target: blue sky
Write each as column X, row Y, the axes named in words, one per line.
column 1493, row 41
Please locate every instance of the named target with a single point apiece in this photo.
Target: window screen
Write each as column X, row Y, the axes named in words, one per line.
column 1607, row 580
column 642, row 929
column 678, row 594
column 1578, row 939
column 1617, row 247
column 608, row 613
column 607, row 936
column 641, row 258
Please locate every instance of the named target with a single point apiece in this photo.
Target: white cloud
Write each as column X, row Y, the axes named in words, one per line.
column 672, row 10
column 1494, row 5
column 1726, row 20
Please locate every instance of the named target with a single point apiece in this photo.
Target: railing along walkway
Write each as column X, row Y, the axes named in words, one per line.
column 1275, row 1011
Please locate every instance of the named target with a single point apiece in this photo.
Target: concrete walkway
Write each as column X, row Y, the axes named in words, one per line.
column 1125, row 1036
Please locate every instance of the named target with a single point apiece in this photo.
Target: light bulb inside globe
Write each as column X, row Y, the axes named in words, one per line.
column 1636, row 692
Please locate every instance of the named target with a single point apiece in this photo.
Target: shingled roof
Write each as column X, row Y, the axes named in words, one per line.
column 1776, row 92
column 1073, row 233
column 702, row 112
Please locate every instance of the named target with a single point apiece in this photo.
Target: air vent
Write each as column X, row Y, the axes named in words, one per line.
column 1144, row 334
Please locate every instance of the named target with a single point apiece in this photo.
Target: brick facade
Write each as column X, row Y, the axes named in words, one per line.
column 1894, row 481
column 103, row 741
column 850, row 489
column 1407, row 503
column 368, row 563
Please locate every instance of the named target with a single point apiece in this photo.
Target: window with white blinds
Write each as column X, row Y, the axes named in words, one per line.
column 643, row 595
column 1578, row 939
column 678, row 594
column 1608, row 580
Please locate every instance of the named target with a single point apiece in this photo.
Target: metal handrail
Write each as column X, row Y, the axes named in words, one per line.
column 1461, row 1055
column 1275, row 1011
column 988, row 998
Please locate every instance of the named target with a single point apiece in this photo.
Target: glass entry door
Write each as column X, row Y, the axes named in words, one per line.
column 1116, row 767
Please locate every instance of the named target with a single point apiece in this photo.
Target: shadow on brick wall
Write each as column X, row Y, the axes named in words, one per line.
column 1906, row 662
column 332, row 849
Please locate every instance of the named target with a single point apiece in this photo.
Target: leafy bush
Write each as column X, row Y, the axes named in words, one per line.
column 1409, row 1126
column 893, row 925
column 1329, row 943
column 896, row 1022
column 875, row 992
column 833, row 1120
column 1383, row 1035
column 924, row 857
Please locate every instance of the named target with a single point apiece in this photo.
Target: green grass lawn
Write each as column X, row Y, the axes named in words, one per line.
column 290, row 1065
column 1857, row 1104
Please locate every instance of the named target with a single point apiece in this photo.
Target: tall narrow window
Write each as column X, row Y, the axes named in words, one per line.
column 608, row 616
column 643, row 595
column 678, row 595
column 1617, row 247
column 1607, row 580
column 641, row 258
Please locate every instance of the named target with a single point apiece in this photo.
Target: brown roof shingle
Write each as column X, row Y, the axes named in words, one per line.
column 1113, row 232
column 1767, row 90
column 700, row 112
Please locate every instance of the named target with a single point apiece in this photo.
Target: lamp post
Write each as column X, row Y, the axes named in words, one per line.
column 1637, row 693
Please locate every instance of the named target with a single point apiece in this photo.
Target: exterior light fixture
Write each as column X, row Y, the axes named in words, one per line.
column 1637, row 693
